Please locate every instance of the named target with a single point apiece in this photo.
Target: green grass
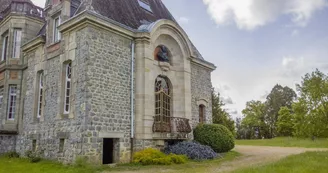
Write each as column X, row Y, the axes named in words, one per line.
column 309, row 162
column 286, row 142
column 23, row 165
column 14, row 165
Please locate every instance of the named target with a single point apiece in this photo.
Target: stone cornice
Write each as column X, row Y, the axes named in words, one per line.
column 203, row 63
column 33, row 44
column 86, row 18
column 13, row 67
column 13, row 16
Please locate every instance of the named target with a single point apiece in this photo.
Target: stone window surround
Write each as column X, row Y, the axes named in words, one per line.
column 4, row 46
column 39, row 117
column 62, row 114
column 11, row 96
column 17, row 42
column 68, row 87
column 56, row 33
column 1, row 96
column 203, row 102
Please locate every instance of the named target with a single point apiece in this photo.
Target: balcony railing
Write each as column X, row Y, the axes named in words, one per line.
column 24, row 8
column 167, row 124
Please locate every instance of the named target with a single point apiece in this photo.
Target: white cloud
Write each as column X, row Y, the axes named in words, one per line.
column 39, row 3
column 251, row 14
column 295, row 33
column 183, row 20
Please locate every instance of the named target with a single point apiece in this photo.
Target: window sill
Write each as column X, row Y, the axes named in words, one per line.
column 65, row 116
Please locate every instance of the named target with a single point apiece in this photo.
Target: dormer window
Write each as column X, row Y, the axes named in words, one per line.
column 56, row 31
column 145, row 5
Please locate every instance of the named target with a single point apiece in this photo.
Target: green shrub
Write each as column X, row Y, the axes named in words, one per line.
column 152, row 156
column 217, row 136
column 33, row 157
column 11, row 154
column 178, row 159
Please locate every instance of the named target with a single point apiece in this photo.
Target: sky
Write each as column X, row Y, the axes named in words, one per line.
column 255, row 44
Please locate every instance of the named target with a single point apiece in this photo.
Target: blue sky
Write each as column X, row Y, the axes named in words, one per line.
column 255, row 44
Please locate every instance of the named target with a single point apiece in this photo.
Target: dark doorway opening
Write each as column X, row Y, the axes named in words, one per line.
column 108, row 151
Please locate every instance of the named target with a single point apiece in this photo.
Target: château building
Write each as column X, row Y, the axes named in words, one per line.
column 97, row 78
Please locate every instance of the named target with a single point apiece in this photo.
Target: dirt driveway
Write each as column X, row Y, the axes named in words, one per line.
column 257, row 155
column 251, row 155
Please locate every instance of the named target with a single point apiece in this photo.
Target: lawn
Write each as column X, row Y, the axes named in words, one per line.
column 309, row 162
column 23, row 165
column 286, row 142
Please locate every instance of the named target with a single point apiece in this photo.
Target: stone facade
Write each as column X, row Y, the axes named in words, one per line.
column 7, row 143
column 111, row 86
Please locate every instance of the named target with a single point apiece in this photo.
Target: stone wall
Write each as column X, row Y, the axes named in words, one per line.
column 108, row 93
column 7, row 143
column 53, row 125
column 201, row 87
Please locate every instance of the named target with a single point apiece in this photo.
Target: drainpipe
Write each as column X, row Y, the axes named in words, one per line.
column 132, row 98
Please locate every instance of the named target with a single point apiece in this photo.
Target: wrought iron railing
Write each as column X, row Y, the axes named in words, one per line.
column 24, row 8
column 167, row 124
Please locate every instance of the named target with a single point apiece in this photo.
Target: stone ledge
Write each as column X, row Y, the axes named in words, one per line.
column 111, row 134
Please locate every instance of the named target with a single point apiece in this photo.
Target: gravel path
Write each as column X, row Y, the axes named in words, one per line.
column 259, row 155
column 251, row 155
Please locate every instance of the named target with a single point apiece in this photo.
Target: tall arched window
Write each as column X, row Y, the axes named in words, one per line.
column 162, row 103
column 201, row 113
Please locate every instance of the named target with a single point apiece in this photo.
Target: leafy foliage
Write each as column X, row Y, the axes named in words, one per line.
column 285, row 122
column 311, row 110
column 254, row 123
column 192, row 150
column 220, row 115
column 11, row 154
column 278, row 97
column 152, row 156
column 217, row 136
column 283, row 115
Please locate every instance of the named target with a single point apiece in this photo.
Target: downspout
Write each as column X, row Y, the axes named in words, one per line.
column 132, row 98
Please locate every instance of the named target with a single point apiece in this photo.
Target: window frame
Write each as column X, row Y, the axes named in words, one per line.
column 56, row 33
column 1, row 96
column 145, row 5
column 4, row 48
column 202, row 116
column 17, row 47
column 12, row 98
column 67, row 95
column 40, row 95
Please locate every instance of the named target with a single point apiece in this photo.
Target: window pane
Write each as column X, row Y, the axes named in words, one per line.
column 12, row 102
column 40, row 92
column 17, row 43
column 4, row 48
column 144, row 5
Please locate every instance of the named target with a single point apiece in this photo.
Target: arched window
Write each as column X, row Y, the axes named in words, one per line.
column 162, row 103
column 162, row 97
column 201, row 113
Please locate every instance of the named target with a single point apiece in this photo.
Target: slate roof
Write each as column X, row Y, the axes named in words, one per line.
column 5, row 3
column 128, row 12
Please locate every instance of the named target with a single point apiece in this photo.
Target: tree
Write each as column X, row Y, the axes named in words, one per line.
column 311, row 111
column 278, row 97
column 285, row 122
column 220, row 115
column 254, row 119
